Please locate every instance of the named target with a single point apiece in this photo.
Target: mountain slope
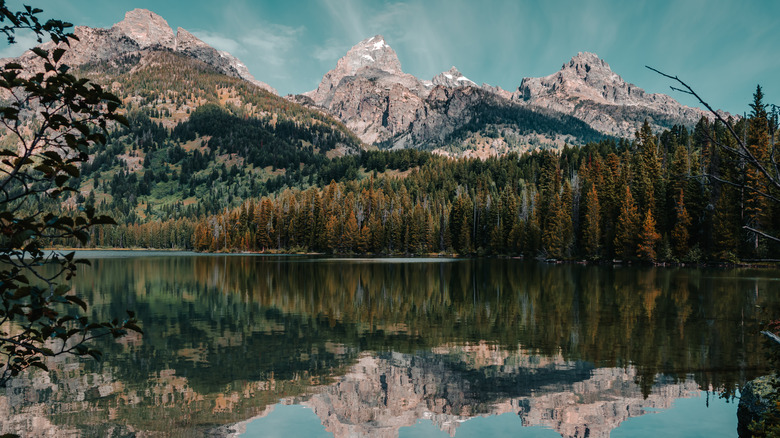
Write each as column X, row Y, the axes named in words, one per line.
column 203, row 135
column 144, row 30
column 371, row 94
column 587, row 88
column 200, row 139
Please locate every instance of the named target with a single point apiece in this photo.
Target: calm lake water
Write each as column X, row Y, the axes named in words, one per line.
column 296, row 346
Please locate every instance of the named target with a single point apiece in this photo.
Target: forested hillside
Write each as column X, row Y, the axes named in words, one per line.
column 669, row 197
column 197, row 141
column 215, row 163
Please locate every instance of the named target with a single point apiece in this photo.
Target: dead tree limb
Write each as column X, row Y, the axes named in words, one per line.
column 742, row 151
column 771, row 336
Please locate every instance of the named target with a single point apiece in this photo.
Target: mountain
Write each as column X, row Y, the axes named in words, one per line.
column 379, row 395
column 144, row 30
column 203, row 134
column 370, row 93
column 381, row 104
column 452, row 79
column 372, row 59
column 587, row 88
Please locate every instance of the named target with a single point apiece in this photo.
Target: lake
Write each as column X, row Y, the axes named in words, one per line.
column 279, row 346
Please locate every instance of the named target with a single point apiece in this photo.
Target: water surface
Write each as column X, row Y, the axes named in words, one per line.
column 302, row 346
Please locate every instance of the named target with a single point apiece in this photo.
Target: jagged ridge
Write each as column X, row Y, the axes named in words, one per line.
column 143, row 30
column 371, row 94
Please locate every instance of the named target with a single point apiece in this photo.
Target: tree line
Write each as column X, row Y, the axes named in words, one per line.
column 668, row 197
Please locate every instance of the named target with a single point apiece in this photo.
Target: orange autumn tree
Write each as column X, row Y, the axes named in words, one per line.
column 648, row 237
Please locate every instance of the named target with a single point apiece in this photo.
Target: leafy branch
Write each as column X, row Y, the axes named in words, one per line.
column 51, row 119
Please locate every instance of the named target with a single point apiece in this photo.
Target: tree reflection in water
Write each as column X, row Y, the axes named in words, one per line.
column 373, row 345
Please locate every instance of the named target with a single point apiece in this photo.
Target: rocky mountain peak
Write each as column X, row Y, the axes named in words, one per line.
column 584, row 77
column 142, row 31
column 372, row 52
column 452, row 78
column 588, row 69
column 146, row 28
column 587, row 88
column 586, row 61
column 369, row 60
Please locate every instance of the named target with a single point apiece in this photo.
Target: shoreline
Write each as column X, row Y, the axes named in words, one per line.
column 767, row 264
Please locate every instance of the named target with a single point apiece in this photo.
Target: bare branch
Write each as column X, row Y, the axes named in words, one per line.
column 743, row 186
column 771, row 336
column 761, row 233
column 743, row 147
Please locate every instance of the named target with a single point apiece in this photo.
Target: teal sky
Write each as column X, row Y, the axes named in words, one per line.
column 721, row 48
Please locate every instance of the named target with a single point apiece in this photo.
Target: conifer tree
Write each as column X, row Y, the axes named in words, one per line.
column 508, row 216
column 333, row 234
column 648, row 168
column 680, row 233
column 395, row 231
column 757, row 207
column 364, row 239
column 532, row 233
column 626, row 227
column 553, row 229
column 567, row 225
column 377, row 230
column 591, row 229
column 349, row 237
column 648, row 237
column 725, row 226
column 265, row 226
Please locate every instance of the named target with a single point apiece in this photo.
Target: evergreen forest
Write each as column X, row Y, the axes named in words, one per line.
column 226, row 181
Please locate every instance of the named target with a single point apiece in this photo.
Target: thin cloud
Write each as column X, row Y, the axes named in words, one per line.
column 221, row 42
column 272, row 43
column 330, row 51
column 269, row 44
column 268, row 49
column 406, row 26
column 350, row 16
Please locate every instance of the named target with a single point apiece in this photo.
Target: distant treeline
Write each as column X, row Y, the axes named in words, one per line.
column 672, row 197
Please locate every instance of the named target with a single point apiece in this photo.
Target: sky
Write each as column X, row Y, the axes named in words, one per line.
column 723, row 49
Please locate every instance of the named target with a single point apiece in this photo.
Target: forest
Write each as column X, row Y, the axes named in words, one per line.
column 671, row 197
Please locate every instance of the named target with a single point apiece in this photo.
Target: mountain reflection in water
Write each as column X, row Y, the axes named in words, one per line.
column 372, row 347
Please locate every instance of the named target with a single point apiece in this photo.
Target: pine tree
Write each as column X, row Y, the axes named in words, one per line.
column 591, row 229
column 333, row 234
column 395, row 231
column 349, row 237
column 265, row 226
column 680, row 234
column 725, row 226
column 648, row 168
column 532, row 233
column 648, row 237
column 508, row 217
column 757, row 207
column 626, row 227
column 552, row 234
column 377, row 230
column 461, row 224
column 364, row 239
column 567, row 225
